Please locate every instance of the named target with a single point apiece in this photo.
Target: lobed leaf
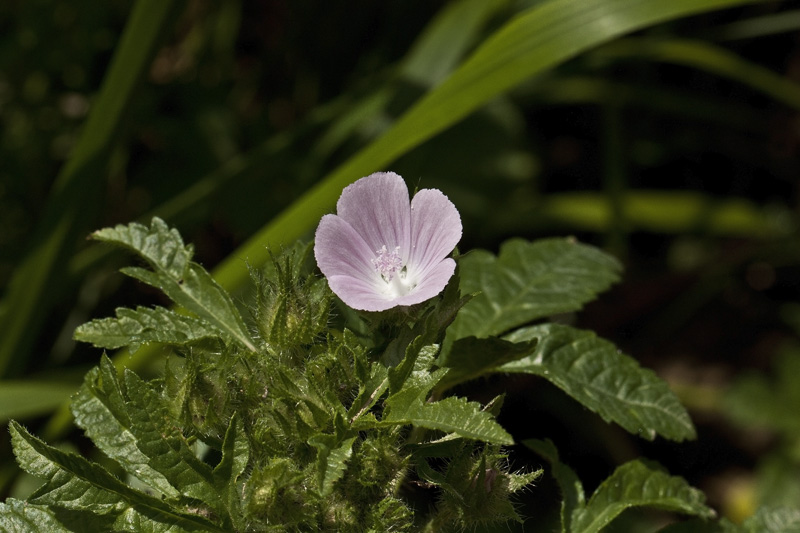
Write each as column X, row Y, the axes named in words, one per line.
column 459, row 416
column 133, row 328
column 598, row 375
column 162, row 247
column 186, row 283
column 526, row 282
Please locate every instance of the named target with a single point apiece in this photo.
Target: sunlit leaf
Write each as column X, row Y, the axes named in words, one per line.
column 134, row 429
column 528, row 281
column 22, row 517
column 132, row 328
column 451, row 415
column 185, row 282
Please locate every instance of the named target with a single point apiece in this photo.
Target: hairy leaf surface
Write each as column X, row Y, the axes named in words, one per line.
column 143, row 325
column 452, row 414
column 185, row 282
column 132, row 426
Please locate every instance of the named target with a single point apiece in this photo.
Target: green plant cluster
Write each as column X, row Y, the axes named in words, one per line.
column 311, row 417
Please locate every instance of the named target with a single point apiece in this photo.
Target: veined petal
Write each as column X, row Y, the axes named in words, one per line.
column 434, row 282
column 377, row 208
column 340, row 250
column 359, row 293
column 435, row 230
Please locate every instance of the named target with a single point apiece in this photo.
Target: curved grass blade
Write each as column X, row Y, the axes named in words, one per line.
column 21, row 399
column 708, row 57
column 65, row 216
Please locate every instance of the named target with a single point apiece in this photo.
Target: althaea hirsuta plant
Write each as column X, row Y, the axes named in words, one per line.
column 330, row 405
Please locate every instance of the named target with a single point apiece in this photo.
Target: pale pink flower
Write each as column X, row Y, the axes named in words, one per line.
column 379, row 251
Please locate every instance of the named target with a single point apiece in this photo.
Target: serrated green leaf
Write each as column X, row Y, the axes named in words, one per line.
column 133, row 427
column 572, row 494
column 100, row 410
column 472, row 358
column 159, row 437
column 161, row 246
column 459, row 416
column 412, row 395
column 332, row 457
column 185, row 282
column 451, row 415
column 133, row 328
column 235, row 455
column 76, row 484
column 22, row 517
column 610, row 383
column 635, row 484
column 768, row 520
column 526, row 282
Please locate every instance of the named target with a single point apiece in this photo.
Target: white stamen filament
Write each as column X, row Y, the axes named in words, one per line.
column 389, row 264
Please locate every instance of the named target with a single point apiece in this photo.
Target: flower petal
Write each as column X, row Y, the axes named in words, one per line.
column 435, row 230
column 359, row 294
column 377, row 208
column 340, row 250
column 433, row 283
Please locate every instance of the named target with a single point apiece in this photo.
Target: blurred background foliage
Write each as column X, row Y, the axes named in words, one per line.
column 667, row 133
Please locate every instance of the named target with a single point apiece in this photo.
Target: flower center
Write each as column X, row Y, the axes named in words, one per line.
column 388, row 263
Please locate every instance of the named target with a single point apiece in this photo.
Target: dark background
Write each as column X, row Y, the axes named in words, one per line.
column 699, row 166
